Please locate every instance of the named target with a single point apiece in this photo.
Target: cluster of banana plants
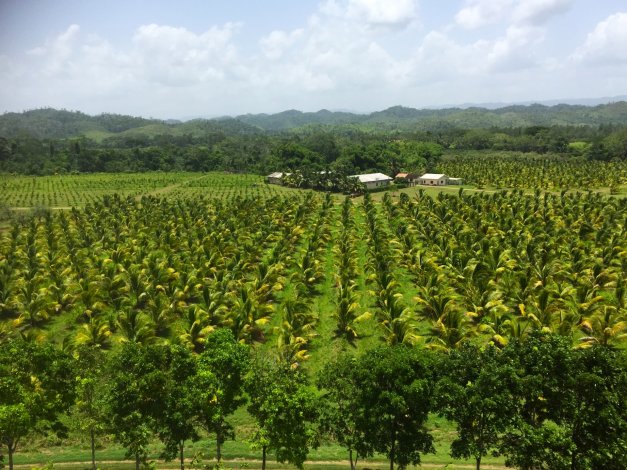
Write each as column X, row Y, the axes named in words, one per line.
column 397, row 320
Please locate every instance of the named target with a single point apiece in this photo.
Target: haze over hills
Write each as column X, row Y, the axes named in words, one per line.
column 51, row 123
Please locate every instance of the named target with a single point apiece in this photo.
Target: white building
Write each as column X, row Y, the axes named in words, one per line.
column 275, row 178
column 433, row 179
column 373, row 180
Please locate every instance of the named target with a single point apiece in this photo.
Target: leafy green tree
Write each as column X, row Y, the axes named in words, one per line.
column 285, row 409
column 543, row 392
column 174, row 420
column 150, row 393
column 88, row 412
column 395, row 396
column 36, row 386
column 475, row 394
column 135, row 395
column 126, row 407
column 339, row 409
column 597, row 417
column 218, row 385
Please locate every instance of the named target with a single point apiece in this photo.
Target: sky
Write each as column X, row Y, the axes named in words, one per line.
column 184, row 59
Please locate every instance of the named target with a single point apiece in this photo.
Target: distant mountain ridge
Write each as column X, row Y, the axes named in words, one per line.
column 50, row 123
column 432, row 119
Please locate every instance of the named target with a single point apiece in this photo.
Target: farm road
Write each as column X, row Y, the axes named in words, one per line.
column 252, row 465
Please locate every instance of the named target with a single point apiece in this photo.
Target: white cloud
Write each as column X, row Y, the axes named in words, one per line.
column 357, row 54
column 372, row 13
column 57, row 53
column 514, row 51
column 607, row 44
column 383, row 12
column 478, row 13
column 177, row 57
column 538, row 12
column 277, row 42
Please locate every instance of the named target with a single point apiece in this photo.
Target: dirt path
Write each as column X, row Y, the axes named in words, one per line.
column 252, row 464
column 29, row 208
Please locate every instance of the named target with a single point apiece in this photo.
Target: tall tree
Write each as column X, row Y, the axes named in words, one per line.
column 218, row 385
column 88, row 412
column 543, row 392
column 339, row 409
column 475, row 394
column 36, row 386
column 395, row 396
column 597, row 418
column 285, row 409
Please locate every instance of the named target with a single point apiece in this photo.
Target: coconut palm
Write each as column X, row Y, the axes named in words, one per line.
column 93, row 334
column 136, row 327
column 247, row 316
column 607, row 327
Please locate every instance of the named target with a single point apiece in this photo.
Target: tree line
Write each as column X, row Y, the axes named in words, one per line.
column 538, row 402
column 317, row 148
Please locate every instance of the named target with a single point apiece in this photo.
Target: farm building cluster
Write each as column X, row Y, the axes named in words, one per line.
column 379, row 180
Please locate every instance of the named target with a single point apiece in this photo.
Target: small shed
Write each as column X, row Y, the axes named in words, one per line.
column 373, row 180
column 433, row 179
column 454, row 181
column 275, row 178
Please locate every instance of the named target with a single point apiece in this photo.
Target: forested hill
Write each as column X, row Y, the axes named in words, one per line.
column 438, row 119
column 49, row 123
column 59, row 124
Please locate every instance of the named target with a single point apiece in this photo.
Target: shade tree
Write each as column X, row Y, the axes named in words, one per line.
column 36, row 386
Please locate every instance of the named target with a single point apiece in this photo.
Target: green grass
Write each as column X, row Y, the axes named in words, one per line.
column 68, row 454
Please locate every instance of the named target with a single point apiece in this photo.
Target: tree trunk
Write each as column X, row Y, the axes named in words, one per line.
column 11, row 450
column 478, row 462
column 136, row 461
column 93, row 448
column 263, row 458
column 392, row 449
column 218, row 446
column 350, row 456
column 182, row 456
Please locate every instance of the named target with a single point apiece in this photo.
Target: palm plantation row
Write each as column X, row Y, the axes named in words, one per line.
column 519, row 170
column 446, row 268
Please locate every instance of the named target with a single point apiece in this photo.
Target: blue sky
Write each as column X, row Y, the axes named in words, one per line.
column 210, row 58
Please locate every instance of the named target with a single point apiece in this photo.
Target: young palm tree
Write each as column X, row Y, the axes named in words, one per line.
column 93, row 334
column 248, row 315
column 136, row 327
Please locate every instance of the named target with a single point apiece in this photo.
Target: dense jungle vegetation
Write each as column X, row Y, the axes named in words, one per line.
column 49, row 141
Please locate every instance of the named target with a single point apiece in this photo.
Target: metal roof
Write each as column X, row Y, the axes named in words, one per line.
column 372, row 177
column 432, row 176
